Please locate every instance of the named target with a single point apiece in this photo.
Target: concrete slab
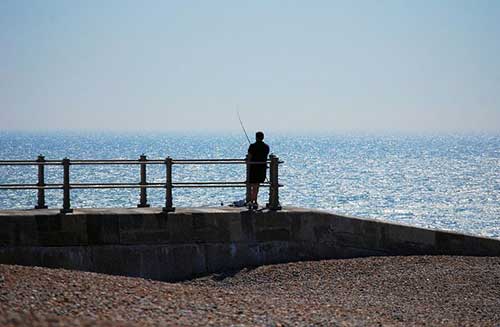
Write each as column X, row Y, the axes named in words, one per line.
column 150, row 243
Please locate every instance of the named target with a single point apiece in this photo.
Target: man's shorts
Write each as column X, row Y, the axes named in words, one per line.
column 257, row 174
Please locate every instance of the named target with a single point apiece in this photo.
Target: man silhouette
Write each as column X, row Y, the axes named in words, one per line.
column 257, row 152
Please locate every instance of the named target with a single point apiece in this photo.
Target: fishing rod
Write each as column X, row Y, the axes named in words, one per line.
column 243, row 127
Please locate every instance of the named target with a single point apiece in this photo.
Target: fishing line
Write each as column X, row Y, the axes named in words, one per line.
column 246, row 135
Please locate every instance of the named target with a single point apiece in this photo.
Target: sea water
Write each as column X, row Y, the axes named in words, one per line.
column 449, row 182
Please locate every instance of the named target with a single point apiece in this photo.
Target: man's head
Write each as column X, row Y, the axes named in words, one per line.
column 259, row 136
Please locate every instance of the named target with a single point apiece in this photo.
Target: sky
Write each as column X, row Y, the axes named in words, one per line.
column 286, row 66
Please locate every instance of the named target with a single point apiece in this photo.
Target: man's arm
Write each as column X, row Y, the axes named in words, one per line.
column 250, row 152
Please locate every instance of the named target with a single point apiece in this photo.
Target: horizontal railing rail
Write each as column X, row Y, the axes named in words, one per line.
column 143, row 185
column 127, row 162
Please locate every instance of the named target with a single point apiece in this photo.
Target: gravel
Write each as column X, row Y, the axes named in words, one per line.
column 415, row 290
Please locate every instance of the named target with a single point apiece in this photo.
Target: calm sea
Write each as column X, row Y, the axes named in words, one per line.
column 447, row 182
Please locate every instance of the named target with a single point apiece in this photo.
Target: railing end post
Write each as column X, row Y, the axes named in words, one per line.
column 274, row 203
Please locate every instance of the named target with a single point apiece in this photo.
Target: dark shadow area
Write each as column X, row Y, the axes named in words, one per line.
column 230, row 273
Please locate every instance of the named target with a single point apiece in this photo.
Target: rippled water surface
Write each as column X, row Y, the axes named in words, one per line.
column 445, row 182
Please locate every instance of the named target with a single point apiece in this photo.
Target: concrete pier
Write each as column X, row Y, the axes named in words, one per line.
column 151, row 243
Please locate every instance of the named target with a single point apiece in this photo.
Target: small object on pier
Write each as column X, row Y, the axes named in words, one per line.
column 238, row 204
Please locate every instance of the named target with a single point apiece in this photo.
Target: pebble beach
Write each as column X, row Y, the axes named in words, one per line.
column 374, row 291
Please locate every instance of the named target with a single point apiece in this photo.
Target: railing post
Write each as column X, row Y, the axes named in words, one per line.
column 41, row 184
column 144, row 193
column 168, row 186
column 66, row 187
column 248, row 190
column 274, row 203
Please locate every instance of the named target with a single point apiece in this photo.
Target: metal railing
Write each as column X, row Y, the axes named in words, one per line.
column 143, row 185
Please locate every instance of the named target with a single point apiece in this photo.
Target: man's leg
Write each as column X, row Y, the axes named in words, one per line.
column 254, row 191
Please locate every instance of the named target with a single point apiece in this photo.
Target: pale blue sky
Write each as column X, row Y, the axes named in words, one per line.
column 303, row 66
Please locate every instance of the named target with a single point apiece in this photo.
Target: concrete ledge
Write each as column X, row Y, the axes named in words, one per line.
column 149, row 243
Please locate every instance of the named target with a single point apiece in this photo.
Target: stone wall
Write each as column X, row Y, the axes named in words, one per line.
column 149, row 243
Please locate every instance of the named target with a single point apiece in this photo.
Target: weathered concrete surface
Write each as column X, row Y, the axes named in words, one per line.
column 149, row 243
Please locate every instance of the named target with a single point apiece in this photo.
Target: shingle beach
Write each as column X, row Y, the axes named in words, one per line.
column 417, row 290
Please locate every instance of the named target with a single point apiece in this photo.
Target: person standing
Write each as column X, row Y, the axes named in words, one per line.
column 257, row 152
